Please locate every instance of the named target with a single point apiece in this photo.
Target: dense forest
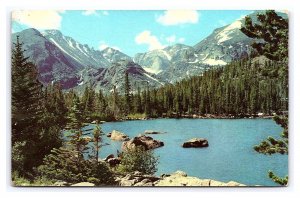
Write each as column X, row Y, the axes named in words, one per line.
column 243, row 88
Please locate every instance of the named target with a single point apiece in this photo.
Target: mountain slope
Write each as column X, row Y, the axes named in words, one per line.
column 83, row 54
column 112, row 55
column 52, row 63
column 175, row 62
column 106, row 78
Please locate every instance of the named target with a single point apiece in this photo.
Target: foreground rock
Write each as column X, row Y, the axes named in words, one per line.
column 142, row 140
column 153, row 132
column 113, row 162
column 118, row 136
column 84, row 184
column 195, row 143
column 180, row 178
column 137, row 179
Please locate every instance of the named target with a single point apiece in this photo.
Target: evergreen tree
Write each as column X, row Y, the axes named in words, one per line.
column 128, row 98
column 273, row 31
column 26, row 96
column 97, row 139
column 29, row 132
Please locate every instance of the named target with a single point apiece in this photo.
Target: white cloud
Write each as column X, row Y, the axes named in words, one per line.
column 181, row 40
column 176, row 17
column 171, row 39
column 42, row 19
column 105, row 12
column 146, row 37
column 95, row 13
column 89, row 12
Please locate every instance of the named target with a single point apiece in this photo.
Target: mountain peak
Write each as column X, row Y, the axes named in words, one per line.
column 53, row 32
column 30, row 31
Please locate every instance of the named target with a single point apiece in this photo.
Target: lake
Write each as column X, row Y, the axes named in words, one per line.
column 230, row 155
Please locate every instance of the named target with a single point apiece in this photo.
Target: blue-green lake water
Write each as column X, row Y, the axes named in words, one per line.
column 230, row 155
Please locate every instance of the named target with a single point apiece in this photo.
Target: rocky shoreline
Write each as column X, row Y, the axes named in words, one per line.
column 178, row 178
column 194, row 116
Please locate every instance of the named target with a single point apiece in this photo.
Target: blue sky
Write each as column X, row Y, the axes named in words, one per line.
column 130, row 31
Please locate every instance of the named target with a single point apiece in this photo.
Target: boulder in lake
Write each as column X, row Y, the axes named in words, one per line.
column 142, row 140
column 108, row 135
column 153, row 132
column 118, row 136
column 195, row 143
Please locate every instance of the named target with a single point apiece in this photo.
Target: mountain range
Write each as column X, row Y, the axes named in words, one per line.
column 62, row 59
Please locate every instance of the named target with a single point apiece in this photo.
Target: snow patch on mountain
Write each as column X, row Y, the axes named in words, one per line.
column 153, row 78
column 152, row 70
column 62, row 49
column 195, row 61
column 166, row 54
column 214, row 62
column 224, row 35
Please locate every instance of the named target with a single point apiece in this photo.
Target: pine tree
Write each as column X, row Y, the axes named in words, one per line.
column 273, row 30
column 27, row 112
column 97, row 139
column 26, row 95
column 128, row 98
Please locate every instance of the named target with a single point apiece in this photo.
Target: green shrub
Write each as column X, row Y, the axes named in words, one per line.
column 63, row 164
column 138, row 159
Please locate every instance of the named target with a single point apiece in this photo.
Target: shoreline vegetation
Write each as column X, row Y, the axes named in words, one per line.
column 189, row 116
column 255, row 83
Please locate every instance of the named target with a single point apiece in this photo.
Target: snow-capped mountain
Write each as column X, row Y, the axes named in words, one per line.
column 171, row 63
column 224, row 45
column 83, row 54
column 52, row 63
column 179, row 61
column 62, row 59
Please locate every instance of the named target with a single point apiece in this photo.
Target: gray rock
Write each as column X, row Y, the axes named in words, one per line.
column 118, row 136
column 125, row 182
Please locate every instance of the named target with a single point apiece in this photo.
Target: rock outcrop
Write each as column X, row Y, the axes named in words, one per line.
column 180, row 178
column 142, row 140
column 137, row 179
column 195, row 143
column 118, row 136
column 113, row 162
